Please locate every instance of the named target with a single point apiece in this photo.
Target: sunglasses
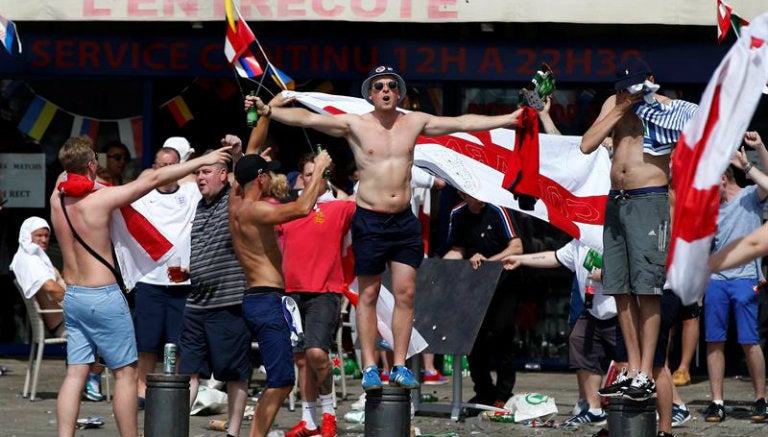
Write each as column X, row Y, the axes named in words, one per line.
column 378, row 86
column 118, row 157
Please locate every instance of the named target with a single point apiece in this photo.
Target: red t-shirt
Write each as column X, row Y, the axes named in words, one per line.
column 312, row 248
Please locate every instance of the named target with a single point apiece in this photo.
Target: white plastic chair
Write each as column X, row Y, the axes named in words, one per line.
column 37, row 345
column 37, row 342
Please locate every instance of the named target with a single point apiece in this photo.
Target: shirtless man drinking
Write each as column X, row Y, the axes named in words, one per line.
column 91, row 285
column 252, row 223
column 384, row 230
column 635, row 235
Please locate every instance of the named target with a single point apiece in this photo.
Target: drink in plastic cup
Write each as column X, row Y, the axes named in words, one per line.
column 175, row 272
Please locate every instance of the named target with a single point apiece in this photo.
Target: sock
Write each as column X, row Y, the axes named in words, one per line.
column 596, row 411
column 326, row 403
column 682, row 406
column 308, row 414
column 718, row 401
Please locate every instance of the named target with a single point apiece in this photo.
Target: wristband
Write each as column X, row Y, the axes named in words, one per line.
column 269, row 111
column 748, row 167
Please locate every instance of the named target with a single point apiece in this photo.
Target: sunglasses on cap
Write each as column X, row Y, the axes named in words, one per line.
column 118, row 157
column 378, row 86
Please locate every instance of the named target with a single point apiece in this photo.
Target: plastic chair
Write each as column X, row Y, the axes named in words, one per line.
column 37, row 342
column 37, row 345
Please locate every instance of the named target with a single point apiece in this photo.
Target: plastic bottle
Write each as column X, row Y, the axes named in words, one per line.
column 589, row 293
column 327, row 172
column 464, row 366
column 447, row 365
column 252, row 116
column 429, row 397
column 218, row 425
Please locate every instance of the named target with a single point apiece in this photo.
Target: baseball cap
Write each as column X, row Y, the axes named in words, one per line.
column 382, row 70
column 181, row 145
column 631, row 72
column 249, row 167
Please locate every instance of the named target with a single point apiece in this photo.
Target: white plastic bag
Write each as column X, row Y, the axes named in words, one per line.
column 529, row 406
column 209, row 401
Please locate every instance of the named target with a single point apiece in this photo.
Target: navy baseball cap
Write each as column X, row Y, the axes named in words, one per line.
column 631, row 72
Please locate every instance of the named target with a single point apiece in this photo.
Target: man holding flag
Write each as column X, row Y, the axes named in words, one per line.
column 384, row 230
column 82, row 207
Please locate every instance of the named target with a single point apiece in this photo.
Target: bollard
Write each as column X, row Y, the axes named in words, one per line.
column 166, row 412
column 388, row 412
column 628, row 418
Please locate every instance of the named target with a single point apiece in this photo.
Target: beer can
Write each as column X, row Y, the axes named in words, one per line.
column 169, row 358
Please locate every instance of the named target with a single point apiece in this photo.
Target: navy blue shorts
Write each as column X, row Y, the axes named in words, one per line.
column 215, row 341
column 263, row 311
column 378, row 238
column 158, row 315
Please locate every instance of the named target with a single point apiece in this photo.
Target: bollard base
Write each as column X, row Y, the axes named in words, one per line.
column 166, row 410
column 388, row 412
column 628, row 418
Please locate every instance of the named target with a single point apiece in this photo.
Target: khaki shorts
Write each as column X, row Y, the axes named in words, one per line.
column 635, row 242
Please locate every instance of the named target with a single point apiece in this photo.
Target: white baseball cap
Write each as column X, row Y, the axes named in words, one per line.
column 181, row 145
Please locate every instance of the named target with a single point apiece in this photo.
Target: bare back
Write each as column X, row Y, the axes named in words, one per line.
column 91, row 217
column 632, row 168
column 384, row 157
column 255, row 243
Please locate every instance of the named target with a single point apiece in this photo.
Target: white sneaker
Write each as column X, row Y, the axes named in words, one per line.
column 359, row 404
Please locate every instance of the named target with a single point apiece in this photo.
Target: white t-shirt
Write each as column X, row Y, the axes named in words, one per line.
column 572, row 256
column 173, row 213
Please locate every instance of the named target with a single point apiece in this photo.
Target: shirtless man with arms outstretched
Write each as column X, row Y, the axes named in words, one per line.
column 252, row 221
column 90, row 284
column 384, row 230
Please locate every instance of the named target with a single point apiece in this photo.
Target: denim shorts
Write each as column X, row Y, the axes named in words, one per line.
column 99, row 322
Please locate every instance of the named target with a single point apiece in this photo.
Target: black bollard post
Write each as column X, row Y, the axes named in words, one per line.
column 628, row 418
column 166, row 412
column 388, row 412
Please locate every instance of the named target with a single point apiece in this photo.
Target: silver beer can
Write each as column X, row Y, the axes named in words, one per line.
column 169, row 358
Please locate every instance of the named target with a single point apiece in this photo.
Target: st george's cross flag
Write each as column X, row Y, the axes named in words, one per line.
column 571, row 188
column 703, row 153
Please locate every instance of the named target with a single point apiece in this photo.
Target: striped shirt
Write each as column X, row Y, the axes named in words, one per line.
column 662, row 124
column 217, row 278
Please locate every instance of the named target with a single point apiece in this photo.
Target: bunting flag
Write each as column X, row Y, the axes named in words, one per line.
column 179, row 110
column 237, row 43
column 8, row 34
column 280, row 78
column 130, row 132
column 726, row 19
column 571, row 188
column 37, row 118
column 85, row 126
column 703, row 153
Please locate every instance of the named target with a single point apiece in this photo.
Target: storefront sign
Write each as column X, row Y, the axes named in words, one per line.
column 22, row 179
column 678, row 12
column 329, row 58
